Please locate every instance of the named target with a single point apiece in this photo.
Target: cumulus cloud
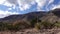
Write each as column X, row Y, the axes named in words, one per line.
column 2, row 1
column 40, row 4
column 12, row 1
column 49, row 5
column 56, row 6
column 6, row 13
column 50, row 1
column 7, row 4
column 22, row 4
column 25, row 5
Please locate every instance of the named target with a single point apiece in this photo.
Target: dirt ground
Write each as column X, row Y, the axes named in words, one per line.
column 33, row 31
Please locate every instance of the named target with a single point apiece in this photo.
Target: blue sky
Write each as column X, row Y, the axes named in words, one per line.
column 10, row 7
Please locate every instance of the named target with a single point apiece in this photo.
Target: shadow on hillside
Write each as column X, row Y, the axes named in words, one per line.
column 56, row 12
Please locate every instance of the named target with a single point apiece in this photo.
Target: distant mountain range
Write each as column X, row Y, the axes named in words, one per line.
column 52, row 16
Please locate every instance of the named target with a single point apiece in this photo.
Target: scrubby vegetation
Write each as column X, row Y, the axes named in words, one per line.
column 57, row 24
column 38, row 24
column 13, row 26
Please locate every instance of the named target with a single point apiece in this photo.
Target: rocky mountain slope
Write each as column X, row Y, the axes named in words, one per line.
column 23, row 17
column 52, row 16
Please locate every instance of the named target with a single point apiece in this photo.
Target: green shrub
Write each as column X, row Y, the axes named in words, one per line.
column 17, row 26
column 47, row 25
column 38, row 26
column 2, row 26
column 9, row 27
column 44, row 25
column 57, row 24
column 34, row 21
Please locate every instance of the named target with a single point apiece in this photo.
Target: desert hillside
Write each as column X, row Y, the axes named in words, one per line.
column 40, row 22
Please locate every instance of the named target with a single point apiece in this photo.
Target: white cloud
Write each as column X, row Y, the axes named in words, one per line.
column 6, row 13
column 2, row 16
column 23, row 5
column 40, row 4
column 26, row 1
column 26, row 4
column 12, row 1
column 7, row 4
column 48, row 5
column 2, row 1
column 55, row 6
column 50, row 1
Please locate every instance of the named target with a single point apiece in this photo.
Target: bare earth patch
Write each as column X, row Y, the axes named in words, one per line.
column 33, row 31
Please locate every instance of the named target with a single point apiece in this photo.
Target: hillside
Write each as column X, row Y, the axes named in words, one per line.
column 52, row 16
column 32, row 23
column 23, row 17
